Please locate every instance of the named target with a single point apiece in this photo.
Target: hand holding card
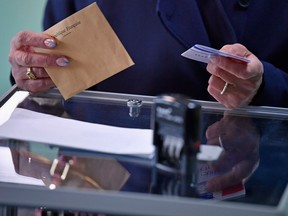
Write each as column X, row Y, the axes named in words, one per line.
column 203, row 53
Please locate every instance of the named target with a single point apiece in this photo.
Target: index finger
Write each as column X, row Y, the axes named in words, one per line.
column 29, row 38
column 224, row 64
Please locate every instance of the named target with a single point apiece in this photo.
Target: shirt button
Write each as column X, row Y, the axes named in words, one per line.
column 244, row 3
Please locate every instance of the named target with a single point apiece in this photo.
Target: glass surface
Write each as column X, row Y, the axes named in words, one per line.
column 252, row 167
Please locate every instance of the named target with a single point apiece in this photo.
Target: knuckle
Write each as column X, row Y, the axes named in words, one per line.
column 225, row 47
column 218, row 72
column 26, row 58
column 212, row 69
column 22, row 37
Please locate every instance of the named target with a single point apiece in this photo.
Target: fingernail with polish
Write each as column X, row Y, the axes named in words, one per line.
column 50, row 43
column 62, row 61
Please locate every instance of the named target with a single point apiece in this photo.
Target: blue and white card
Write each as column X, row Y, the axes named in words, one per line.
column 203, row 54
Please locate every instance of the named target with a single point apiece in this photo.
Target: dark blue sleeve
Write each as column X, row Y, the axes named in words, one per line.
column 274, row 89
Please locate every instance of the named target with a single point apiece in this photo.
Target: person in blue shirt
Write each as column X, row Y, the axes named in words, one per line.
column 155, row 33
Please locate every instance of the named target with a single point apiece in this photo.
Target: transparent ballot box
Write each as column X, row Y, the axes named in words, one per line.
column 93, row 154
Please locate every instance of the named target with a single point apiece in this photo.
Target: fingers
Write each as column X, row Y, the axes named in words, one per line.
column 22, row 51
column 23, row 58
column 35, row 86
column 42, row 82
column 219, row 66
column 32, row 39
column 23, row 55
column 38, row 85
column 234, row 95
column 242, row 70
column 243, row 79
column 235, row 176
column 221, row 182
column 213, row 132
column 238, row 93
column 39, row 72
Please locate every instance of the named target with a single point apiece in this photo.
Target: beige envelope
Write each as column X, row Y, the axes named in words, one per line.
column 94, row 50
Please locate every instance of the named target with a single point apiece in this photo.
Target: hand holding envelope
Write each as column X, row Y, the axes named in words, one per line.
column 94, row 50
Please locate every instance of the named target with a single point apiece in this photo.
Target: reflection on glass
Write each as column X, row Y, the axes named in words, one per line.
column 239, row 138
column 80, row 172
column 224, row 178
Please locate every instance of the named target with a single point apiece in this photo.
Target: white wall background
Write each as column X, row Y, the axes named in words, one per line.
column 16, row 15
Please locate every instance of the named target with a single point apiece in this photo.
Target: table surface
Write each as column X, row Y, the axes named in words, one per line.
column 250, row 174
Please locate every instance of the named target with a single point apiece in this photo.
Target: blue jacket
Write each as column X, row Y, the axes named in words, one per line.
column 155, row 33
